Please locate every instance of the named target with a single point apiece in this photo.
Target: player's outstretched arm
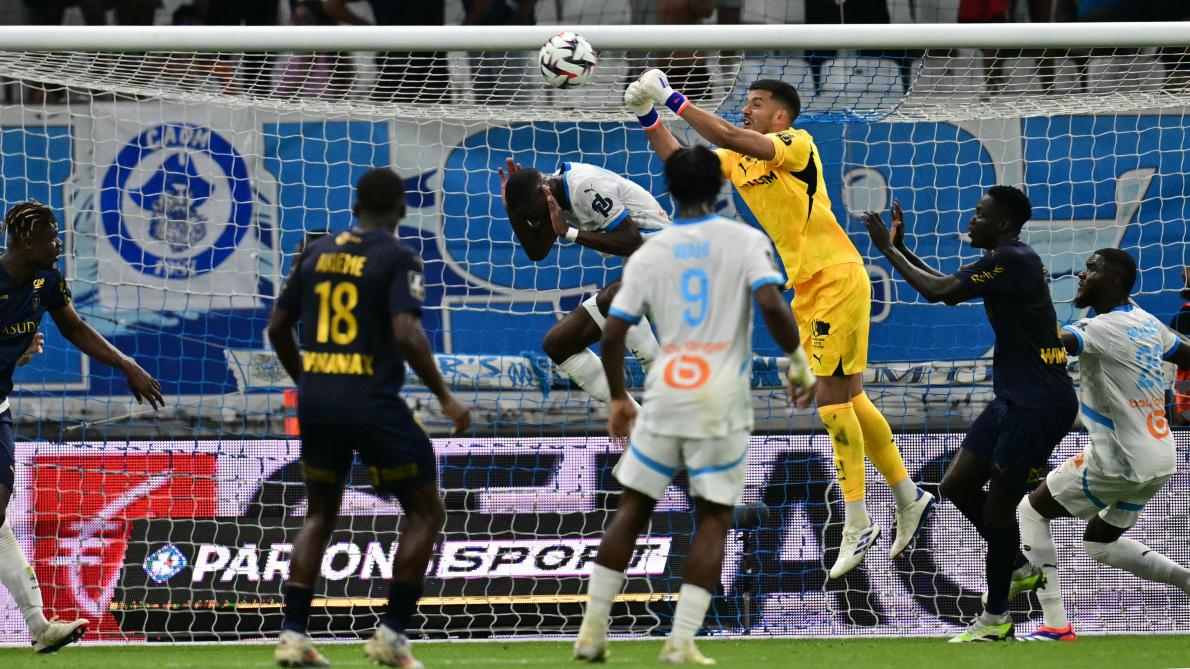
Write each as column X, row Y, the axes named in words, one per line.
column 1180, row 356
column 284, row 341
column 143, row 386
column 654, row 87
column 933, row 285
column 623, row 241
column 621, row 412
column 898, row 240
column 779, row 320
column 410, row 336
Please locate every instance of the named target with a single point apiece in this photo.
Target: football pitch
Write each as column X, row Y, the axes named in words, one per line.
column 1123, row 652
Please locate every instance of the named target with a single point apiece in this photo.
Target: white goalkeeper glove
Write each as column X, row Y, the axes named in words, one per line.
column 656, row 85
column 799, row 370
column 642, row 105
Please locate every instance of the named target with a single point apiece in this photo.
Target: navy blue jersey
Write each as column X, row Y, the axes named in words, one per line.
column 346, row 289
column 1029, row 362
column 21, row 309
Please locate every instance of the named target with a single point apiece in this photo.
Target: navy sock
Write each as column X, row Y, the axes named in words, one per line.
column 297, row 607
column 402, row 602
column 1004, row 543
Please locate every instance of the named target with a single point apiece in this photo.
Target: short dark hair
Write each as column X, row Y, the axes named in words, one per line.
column 523, row 188
column 1123, row 265
column 27, row 217
column 782, row 92
column 694, row 176
column 1013, row 204
column 380, row 192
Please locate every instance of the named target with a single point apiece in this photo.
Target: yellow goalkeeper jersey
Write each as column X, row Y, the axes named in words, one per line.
column 787, row 195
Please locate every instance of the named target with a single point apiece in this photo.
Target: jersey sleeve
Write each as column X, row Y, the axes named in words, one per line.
column 631, row 299
column 596, row 200
column 56, row 294
column 726, row 158
column 290, row 298
column 1170, row 342
column 791, row 150
column 1093, row 339
column 993, row 274
column 760, row 267
column 407, row 287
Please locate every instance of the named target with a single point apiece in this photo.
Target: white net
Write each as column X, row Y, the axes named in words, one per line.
column 185, row 183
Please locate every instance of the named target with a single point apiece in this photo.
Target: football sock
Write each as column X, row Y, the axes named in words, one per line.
column 602, row 589
column 402, row 603
column 847, row 439
column 692, row 610
column 1134, row 557
column 1038, row 541
column 1003, row 544
column 881, row 449
column 20, row 581
column 586, row 370
column 642, row 343
column 297, row 607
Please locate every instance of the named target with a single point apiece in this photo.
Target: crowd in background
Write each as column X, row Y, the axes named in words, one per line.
column 426, row 76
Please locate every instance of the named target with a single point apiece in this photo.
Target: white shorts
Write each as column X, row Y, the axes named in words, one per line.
column 1086, row 494
column 715, row 467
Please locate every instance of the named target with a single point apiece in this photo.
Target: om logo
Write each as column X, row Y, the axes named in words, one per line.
column 686, row 372
column 1157, row 423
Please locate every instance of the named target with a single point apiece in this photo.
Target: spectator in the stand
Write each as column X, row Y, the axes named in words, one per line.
column 1176, row 63
column 828, row 12
column 1180, row 406
column 322, row 74
column 403, row 76
column 497, row 75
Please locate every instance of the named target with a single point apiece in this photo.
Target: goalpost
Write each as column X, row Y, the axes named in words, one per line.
column 188, row 165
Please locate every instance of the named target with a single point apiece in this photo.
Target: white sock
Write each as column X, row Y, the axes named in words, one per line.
column 1038, row 543
column 693, row 602
column 1137, row 558
column 586, row 370
column 602, row 589
column 18, row 577
column 904, row 492
column 855, row 514
column 643, row 344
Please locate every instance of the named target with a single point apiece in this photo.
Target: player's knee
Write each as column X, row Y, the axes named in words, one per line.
column 603, row 300
column 555, row 346
column 1099, row 552
column 950, row 487
column 1026, row 513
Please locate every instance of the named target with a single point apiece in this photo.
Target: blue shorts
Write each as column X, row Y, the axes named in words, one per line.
column 1018, row 440
column 8, row 451
column 397, row 453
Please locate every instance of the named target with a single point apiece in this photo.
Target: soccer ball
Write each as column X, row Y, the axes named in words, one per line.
column 567, row 60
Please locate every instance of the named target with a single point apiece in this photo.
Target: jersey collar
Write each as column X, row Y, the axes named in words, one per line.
column 692, row 221
column 1123, row 307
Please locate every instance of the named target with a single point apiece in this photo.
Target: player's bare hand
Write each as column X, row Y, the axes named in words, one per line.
column 35, row 347
column 513, row 167
column 459, row 413
column 621, row 417
column 877, row 230
column 898, row 225
column 143, row 386
column 556, row 221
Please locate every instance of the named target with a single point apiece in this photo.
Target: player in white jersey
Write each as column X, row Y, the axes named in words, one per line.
column 697, row 279
column 1131, row 453
column 592, row 207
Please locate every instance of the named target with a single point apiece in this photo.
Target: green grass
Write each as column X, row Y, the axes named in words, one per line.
column 1114, row 652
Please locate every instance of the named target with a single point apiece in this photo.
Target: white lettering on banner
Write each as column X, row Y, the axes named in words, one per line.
column 204, row 564
column 376, row 557
column 543, row 557
column 332, row 573
column 274, row 565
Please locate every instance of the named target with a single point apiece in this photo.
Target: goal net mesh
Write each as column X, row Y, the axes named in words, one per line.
column 185, row 183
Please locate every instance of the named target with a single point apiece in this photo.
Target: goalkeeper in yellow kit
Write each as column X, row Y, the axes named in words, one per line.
column 778, row 173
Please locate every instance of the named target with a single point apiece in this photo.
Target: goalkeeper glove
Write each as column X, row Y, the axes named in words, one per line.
column 656, row 86
column 642, row 105
column 798, row 372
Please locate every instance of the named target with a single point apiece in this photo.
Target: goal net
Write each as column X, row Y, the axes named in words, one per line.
column 187, row 167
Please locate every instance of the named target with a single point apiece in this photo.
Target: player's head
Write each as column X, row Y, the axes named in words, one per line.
column 31, row 230
column 379, row 198
column 772, row 105
column 999, row 217
column 1108, row 279
column 523, row 196
column 694, row 177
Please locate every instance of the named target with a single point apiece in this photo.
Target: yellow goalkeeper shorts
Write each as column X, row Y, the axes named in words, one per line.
column 833, row 311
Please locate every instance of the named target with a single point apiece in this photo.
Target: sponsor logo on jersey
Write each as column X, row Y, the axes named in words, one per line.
column 686, row 372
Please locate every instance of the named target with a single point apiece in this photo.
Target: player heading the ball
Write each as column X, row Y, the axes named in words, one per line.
column 698, row 278
column 777, row 171
column 598, row 209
